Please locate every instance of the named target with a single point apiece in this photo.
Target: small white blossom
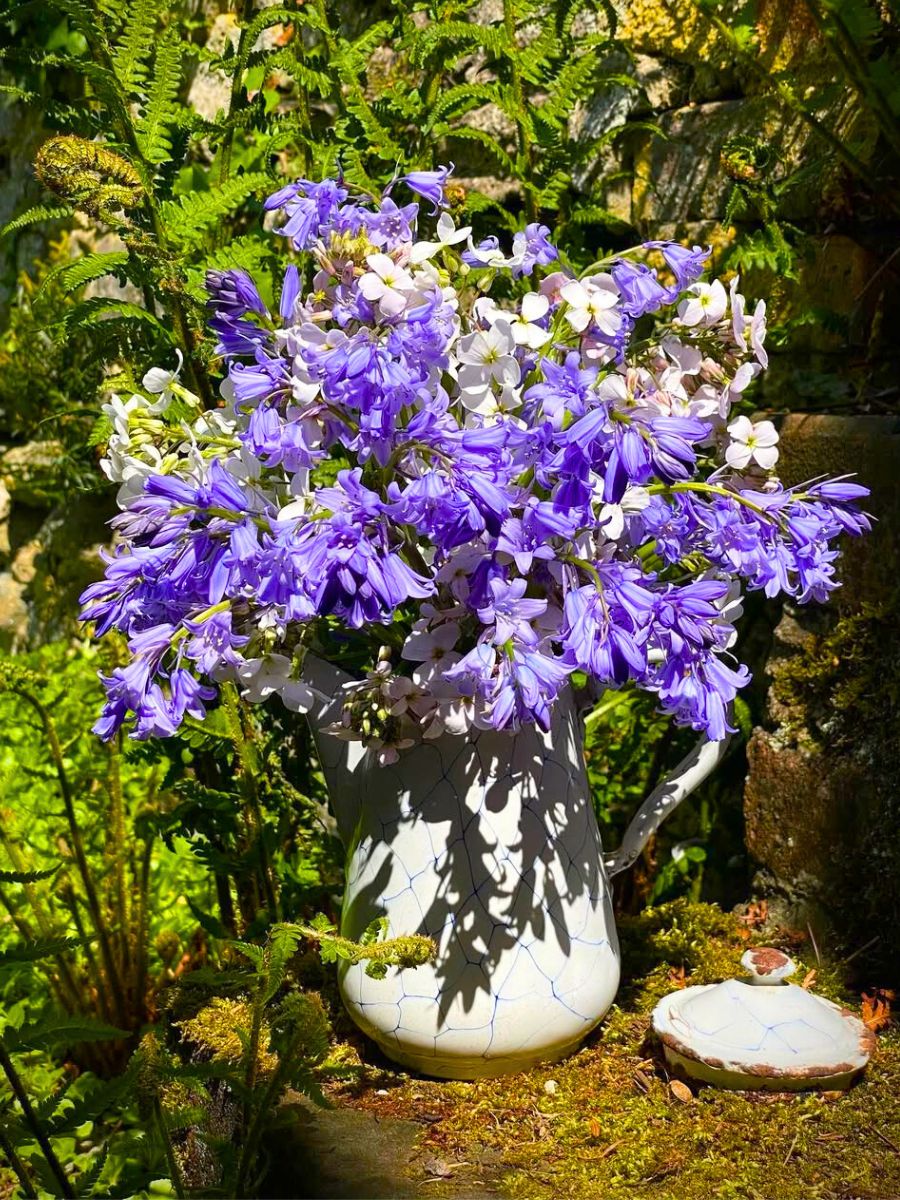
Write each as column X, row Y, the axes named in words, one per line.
column 448, row 235
column 706, row 305
column 386, row 284
column 486, row 358
column 264, row 677
column 752, row 443
column 592, row 302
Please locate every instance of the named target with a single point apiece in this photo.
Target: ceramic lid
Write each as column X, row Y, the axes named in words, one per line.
column 763, row 1026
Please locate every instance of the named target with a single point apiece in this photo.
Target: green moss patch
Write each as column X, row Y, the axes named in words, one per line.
column 607, row 1121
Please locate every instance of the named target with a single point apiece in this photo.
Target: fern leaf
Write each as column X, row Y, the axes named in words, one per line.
column 71, row 276
column 461, row 99
column 154, row 138
column 188, row 218
column 572, row 82
column 460, row 34
column 467, row 133
column 90, row 313
column 33, row 216
column 40, row 948
column 88, row 1180
column 133, row 52
column 27, row 876
column 60, row 1031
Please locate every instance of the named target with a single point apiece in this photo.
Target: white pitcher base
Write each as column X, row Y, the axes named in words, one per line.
column 463, row 1070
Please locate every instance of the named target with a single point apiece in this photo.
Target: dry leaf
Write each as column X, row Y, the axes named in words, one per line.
column 876, row 1009
column 641, row 1081
column 809, row 979
column 681, row 1091
column 594, row 1127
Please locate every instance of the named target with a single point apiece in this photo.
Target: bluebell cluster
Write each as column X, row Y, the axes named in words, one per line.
column 545, row 482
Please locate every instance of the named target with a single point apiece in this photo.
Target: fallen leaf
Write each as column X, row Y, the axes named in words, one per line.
column 876, row 1009
column 594, row 1127
column 681, row 1091
column 809, row 979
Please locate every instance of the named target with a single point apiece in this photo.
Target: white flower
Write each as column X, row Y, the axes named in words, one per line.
column 758, row 334
column 738, row 320
column 433, row 648
column 119, row 414
column 752, row 443
column 264, row 677
column 159, row 382
column 706, row 305
column 448, row 235
column 386, row 284
column 592, row 302
column 524, row 331
column 486, row 358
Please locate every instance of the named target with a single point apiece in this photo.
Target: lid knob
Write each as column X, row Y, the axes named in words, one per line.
column 767, row 965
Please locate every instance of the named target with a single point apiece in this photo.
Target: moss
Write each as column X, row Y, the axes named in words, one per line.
column 221, row 1029
column 606, row 1121
column 846, row 678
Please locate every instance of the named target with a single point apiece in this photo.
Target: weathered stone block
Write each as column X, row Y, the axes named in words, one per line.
column 821, row 803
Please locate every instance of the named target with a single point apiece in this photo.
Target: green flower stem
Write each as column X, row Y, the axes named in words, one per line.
column 120, row 849
column 31, row 1120
column 668, row 489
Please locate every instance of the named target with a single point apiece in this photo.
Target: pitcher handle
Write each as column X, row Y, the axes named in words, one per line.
column 664, row 799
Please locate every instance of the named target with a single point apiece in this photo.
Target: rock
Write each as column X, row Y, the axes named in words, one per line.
column 29, row 472
column 821, row 801
column 680, row 177
column 13, row 614
column 673, row 29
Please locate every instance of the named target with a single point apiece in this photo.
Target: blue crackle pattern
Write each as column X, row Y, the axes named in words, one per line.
column 489, row 845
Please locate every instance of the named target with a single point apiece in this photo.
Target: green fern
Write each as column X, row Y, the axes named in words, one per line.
column 72, row 276
column 154, row 127
column 131, row 57
column 187, row 219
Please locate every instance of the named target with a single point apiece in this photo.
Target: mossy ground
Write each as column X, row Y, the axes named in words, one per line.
column 606, row 1122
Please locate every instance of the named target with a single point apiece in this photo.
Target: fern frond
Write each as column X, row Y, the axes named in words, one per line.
column 60, row 1031
column 27, row 876
column 459, row 34
column 462, row 99
column 88, row 1180
column 131, row 56
column 33, row 216
column 154, row 138
column 187, row 219
column 467, row 133
column 99, row 309
column 76, row 274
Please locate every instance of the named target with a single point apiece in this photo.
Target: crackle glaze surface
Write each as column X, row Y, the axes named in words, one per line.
column 489, row 845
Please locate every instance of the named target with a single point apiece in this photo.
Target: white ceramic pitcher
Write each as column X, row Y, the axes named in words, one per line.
column 488, row 844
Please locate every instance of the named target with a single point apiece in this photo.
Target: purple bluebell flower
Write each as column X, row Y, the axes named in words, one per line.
column 640, row 289
column 532, row 248
column 310, row 207
column 686, row 264
column 429, row 184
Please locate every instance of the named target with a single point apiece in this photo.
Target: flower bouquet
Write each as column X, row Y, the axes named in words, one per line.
column 463, row 472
